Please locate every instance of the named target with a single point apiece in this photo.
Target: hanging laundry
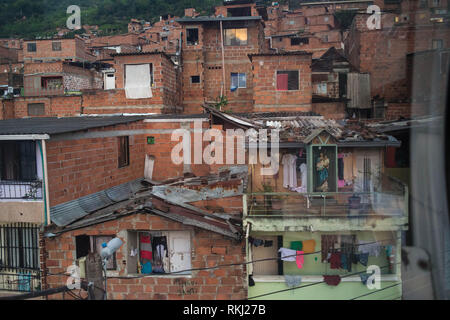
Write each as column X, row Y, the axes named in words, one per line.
column 355, row 258
column 258, row 242
column 289, row 171
column 364, row 277
column 145, row 245
column 328, row 242
column 292, row 281
column 390, row 254
column 335, row 260
column 348, row 243
column 146, row 268
column 370, row 247
column 159, row 246
column 251, row 282
column 300, row 259
column 287, row 254
column 309, row 246
column 363, row 259
column 297, row 245
column 332, row 280
column 345, row 262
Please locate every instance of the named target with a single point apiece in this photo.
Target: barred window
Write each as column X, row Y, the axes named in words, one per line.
column 19, row 246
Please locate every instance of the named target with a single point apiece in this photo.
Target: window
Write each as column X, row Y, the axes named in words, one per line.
column 159, row 252
column 239, row 12
column 18, row 161
column 321, row 88
column 299, row 41
column 192, row 37
column 437, row 44
column 236, row 37
column 85, row 244
column 56, row 46
column 138, row 81
column 163, row 38
column 36, row 109
column 325, row 19
column 19, row 247
column 52, row 83
column 31, row 47
column 195, row 79
column 436, row 3
column 124, row 151
column 325, row 38
column 238, row 80
column 287, row 80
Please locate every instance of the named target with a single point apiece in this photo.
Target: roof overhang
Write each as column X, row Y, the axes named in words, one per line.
column 25, row 137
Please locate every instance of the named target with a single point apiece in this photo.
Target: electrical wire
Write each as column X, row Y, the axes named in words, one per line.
column 313, row 284
column 243, row 263
column 378, row 290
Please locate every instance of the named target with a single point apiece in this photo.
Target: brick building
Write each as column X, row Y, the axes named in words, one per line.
column 383, row 53
column 312, row 29
column 56, row 49
column 210, row 69
column 164, row 35
column 97, row 164
column 282, row 82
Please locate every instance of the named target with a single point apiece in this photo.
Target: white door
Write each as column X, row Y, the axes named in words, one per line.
column 110, row 81
column 180, row 251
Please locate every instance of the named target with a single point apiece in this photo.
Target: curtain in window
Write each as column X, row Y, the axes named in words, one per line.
column 282, row 81
column 138, row 81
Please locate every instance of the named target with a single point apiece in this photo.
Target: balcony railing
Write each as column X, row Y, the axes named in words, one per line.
column 21, row 190
column 389, row 200
column 20, row 281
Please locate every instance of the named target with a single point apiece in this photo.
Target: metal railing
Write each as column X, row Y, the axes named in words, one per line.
column 20, row 281
column 21, row 190
column 386, row 200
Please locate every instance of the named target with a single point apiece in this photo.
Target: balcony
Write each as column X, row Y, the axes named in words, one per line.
column 19, row 190
column 383, row 208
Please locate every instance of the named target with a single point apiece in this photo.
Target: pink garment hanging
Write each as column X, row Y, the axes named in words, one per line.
column 300, row 259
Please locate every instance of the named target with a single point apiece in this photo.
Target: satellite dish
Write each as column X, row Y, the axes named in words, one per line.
column 109, row 248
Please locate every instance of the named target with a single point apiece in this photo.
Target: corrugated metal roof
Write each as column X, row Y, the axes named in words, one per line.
column 66, row 213
column 53, row 125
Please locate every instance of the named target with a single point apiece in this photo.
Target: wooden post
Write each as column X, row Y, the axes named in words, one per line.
column 94, row 274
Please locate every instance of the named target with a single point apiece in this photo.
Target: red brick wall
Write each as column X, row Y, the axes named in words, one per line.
column 205, row 60
column 8, row 55
column 208, row 250
column 73, row 49
column 57, row 106
column 7, row 109
column 330, row 110
column 266, row 95
column 164, row 76
column 164, row 168
column 383, row 52
column 77, row 168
